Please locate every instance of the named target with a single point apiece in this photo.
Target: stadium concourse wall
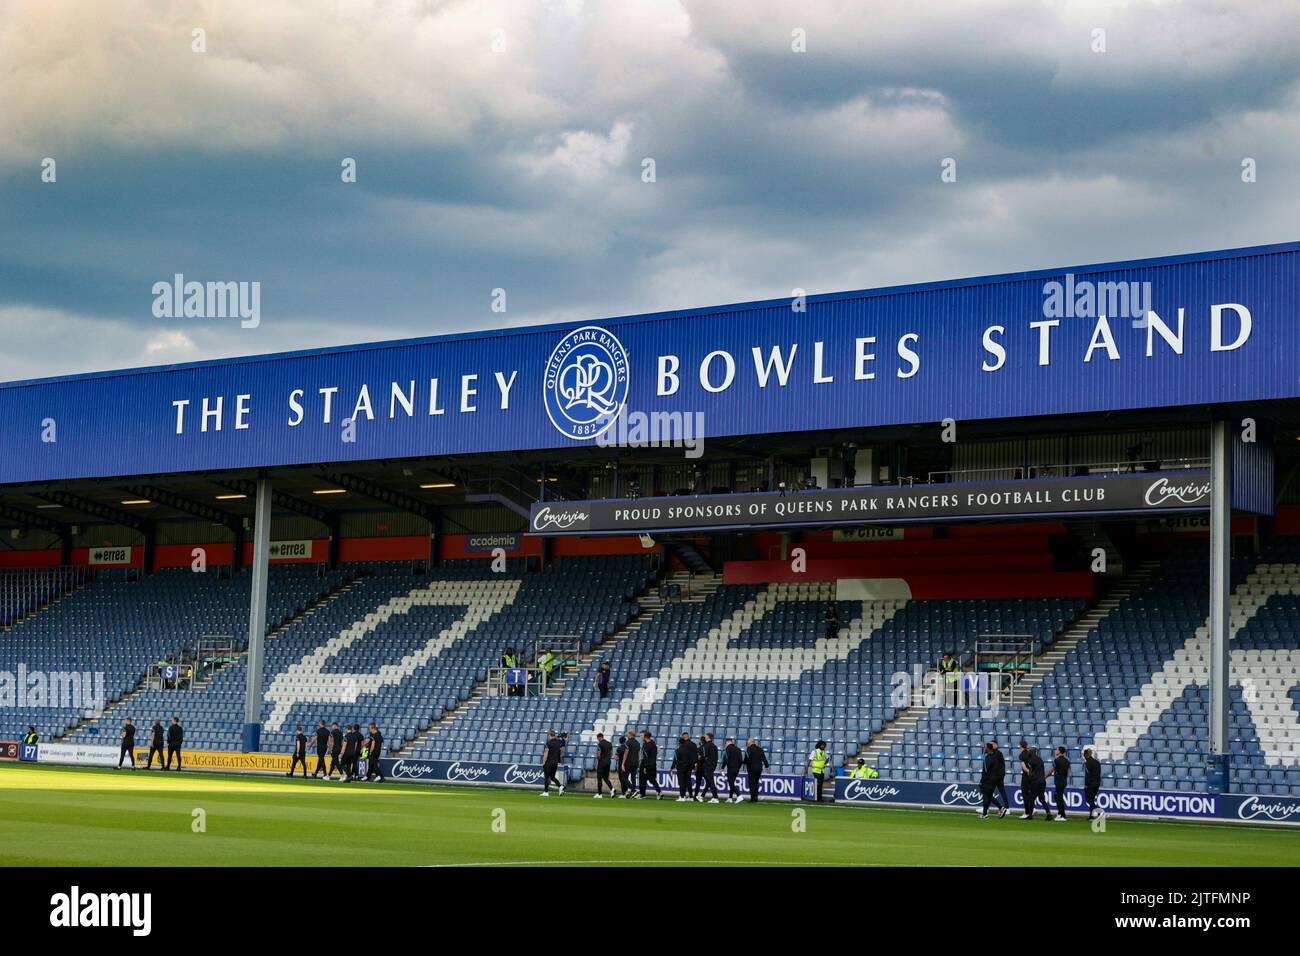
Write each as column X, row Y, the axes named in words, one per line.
column 1134, row 804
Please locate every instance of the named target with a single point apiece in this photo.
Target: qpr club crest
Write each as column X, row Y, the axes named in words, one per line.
column 586, row 383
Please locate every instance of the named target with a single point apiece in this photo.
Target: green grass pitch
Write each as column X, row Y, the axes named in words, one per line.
column 83, row 817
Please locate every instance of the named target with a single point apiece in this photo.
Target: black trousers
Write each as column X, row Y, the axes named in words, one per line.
column 155, row 748
column 320, row 762
column 1090, row 795
column 299, row 759
column 127, row 751
column 549, row 777
column 349, row 767
column 733, row 791
column 754, row 777
column 821, row 782
column 649, row 774
column 336, row 764
column 372, row 768
column 1060, row 801
column 684, row 781
column 704, row 783
column 624, row 785
column 174, row 751
column 602, row 776
column 1034, row 793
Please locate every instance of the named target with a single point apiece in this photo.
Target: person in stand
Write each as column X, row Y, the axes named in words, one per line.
column 551, row 763
column 816, row 762
column 604, row 754
column 863, row 772
column 832, row 621
column 509, row 660
column 602, row 679
column 685, row 758
column 648, row 770
column 336, row 747
column 128, row 743
column 31, row 736
column 375, row 746
column 1091, row 781
column 1060, row 774
column 299, row 753
column 631, row 764
column 733, row 759
column 950, row 667
column 708, row 766
column 755, row 764
column 175, row 738
column 322, row 747
column 155, row 745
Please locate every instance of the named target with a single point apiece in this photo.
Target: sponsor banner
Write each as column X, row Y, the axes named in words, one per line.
column 1149, row 803
column 228, row 760
column 1150, row 492
column 110, row 556
column 290, row 550
column 868, row 533
column 481, row 543
column 95, row 755
column 465, row 771
column 1260, row 809
column 772, row 786
column 8, row 750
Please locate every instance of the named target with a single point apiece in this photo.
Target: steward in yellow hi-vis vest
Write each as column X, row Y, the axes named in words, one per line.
column 863, row 772
column 816, row 762
column 30, row 737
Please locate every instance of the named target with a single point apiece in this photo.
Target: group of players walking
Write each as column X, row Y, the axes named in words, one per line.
column 1033, row 781
column 352, row 755
column 695, row 764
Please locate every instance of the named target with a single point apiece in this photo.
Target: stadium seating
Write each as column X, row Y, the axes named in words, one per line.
column 1133, row 688
column 747, row 661
column 398, row 648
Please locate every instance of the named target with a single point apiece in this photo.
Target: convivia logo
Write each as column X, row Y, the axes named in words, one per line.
column 1188, row 493
column 411, row 771
column 467, row 771
column 518, row 774
column 559, row 519
column 955, row 793
column 860, row 790
column 1255, row 808
column 586, row 383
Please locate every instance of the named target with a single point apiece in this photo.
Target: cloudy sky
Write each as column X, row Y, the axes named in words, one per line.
column 501, row 145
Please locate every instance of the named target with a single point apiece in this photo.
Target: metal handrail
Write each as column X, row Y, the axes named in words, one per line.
column 1066, row 470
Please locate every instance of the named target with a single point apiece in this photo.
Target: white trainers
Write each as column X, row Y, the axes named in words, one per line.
column 1025, row 816
column 543, row 794
column 714, row 800
column 1059, row 819
column 597, row 796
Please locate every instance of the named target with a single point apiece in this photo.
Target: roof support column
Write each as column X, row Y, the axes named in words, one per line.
column 1220, row 588
column 257, row 617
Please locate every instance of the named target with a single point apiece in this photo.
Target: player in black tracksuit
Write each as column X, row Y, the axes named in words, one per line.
column 733, row 759
column 299, row 754
column 604, row 753
column 995, row 769
column 755, row 764
column 155, row 745
column 551, row 764
column 631, row 764
column 1033, row 781
column 648, row 770
column 706, row 768
column 128, row 743
column 175, row 737
column 1091, row 781
column 685, row 758
column 376, row 749
column 336, row 748
column 1060, row 774
column 322, row 747
column 351, row 753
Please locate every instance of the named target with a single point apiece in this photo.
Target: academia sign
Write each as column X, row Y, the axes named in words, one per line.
column 1120, row 493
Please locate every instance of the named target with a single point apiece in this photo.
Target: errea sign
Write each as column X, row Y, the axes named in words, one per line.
column 110, row 557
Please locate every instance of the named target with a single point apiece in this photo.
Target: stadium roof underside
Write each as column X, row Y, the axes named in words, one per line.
column 494, row 417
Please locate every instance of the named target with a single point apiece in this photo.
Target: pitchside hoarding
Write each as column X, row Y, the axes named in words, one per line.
column 1138, row 803
column 1210, row 328
column 94, row 755
column 465, row 771
column 1145, row 493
